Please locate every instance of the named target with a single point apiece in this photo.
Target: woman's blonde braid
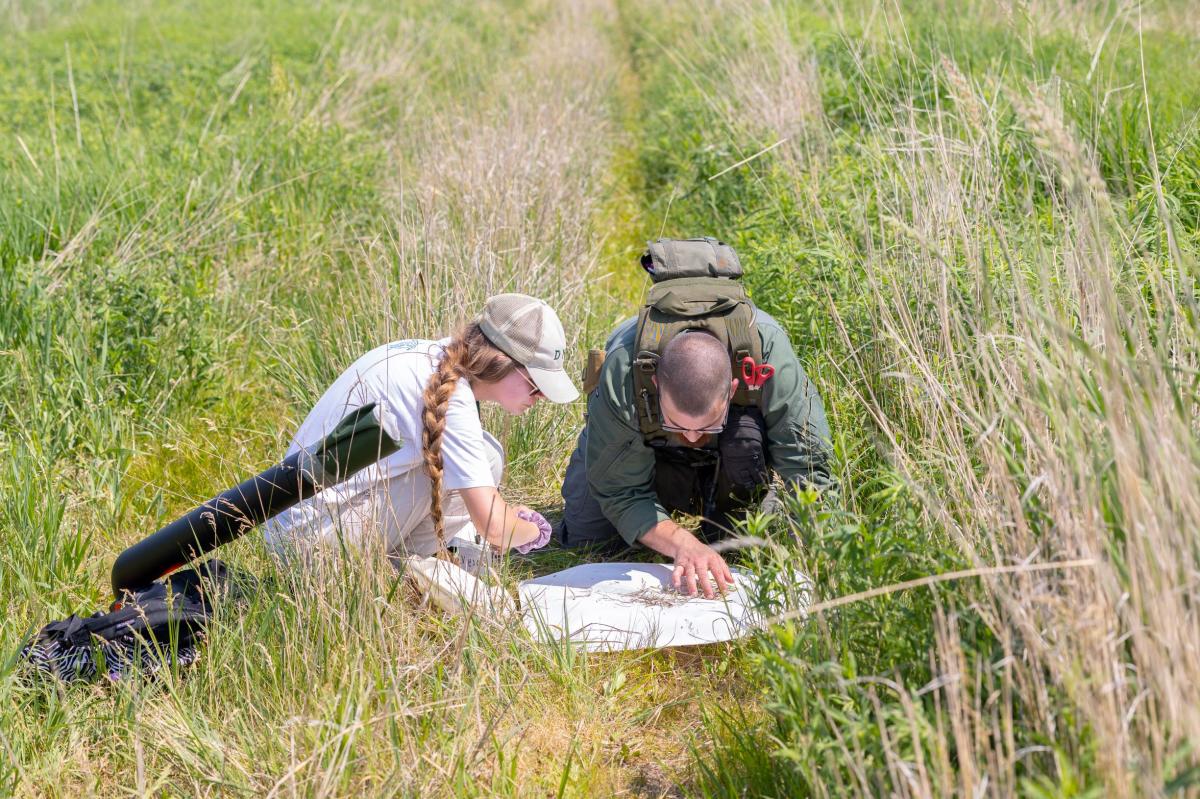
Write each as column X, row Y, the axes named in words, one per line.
column 437, row 400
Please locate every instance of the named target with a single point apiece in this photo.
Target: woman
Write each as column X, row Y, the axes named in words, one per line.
column 441, row 484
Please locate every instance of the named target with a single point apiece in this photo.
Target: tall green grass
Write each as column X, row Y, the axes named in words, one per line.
column 980, row 229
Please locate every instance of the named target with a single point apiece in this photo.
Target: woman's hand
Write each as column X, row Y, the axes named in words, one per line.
column 496, row 520
column 544, row 531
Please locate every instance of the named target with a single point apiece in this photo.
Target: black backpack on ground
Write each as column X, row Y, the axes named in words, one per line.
column 162, row 611
column 149, row 629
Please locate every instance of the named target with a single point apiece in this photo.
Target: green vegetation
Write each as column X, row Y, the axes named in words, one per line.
column 979, row 222
column 987, row 256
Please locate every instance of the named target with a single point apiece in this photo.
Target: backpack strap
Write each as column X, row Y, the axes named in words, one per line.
column 714, row 304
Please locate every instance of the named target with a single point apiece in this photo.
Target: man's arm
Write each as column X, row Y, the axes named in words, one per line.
column 620, row 471
column 798, row 439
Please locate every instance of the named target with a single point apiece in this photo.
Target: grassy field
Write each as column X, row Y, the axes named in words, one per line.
column 979, row 222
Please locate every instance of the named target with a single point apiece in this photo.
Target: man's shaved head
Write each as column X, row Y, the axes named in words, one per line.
column 694, row 372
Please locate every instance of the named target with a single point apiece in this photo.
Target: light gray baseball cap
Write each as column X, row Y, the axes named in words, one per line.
column 529, row 331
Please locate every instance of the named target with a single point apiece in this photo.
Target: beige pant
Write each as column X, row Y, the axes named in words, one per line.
column 392, row 514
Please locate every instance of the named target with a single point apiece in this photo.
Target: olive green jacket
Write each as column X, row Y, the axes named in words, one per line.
column 620, row 466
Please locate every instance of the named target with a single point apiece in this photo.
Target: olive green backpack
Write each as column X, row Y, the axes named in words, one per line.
column 695, row 288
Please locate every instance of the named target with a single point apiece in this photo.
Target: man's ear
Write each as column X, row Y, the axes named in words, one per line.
column 654, row 380
column 733, row 385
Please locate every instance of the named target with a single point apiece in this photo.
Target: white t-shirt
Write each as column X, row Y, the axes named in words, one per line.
column 394, row 377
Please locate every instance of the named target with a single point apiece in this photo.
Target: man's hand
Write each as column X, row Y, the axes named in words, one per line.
column 694, row 560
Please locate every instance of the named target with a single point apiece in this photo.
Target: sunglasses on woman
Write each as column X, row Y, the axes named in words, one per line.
column 534, row 391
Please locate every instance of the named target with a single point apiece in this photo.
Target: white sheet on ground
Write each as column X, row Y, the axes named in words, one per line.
column 614, row 606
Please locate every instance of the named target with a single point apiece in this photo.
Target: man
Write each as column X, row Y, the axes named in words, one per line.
column 710, row 446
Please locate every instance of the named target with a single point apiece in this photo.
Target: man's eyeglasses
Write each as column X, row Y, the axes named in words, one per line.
column 704, row 431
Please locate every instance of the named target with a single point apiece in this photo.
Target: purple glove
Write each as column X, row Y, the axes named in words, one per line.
column 543, row 530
